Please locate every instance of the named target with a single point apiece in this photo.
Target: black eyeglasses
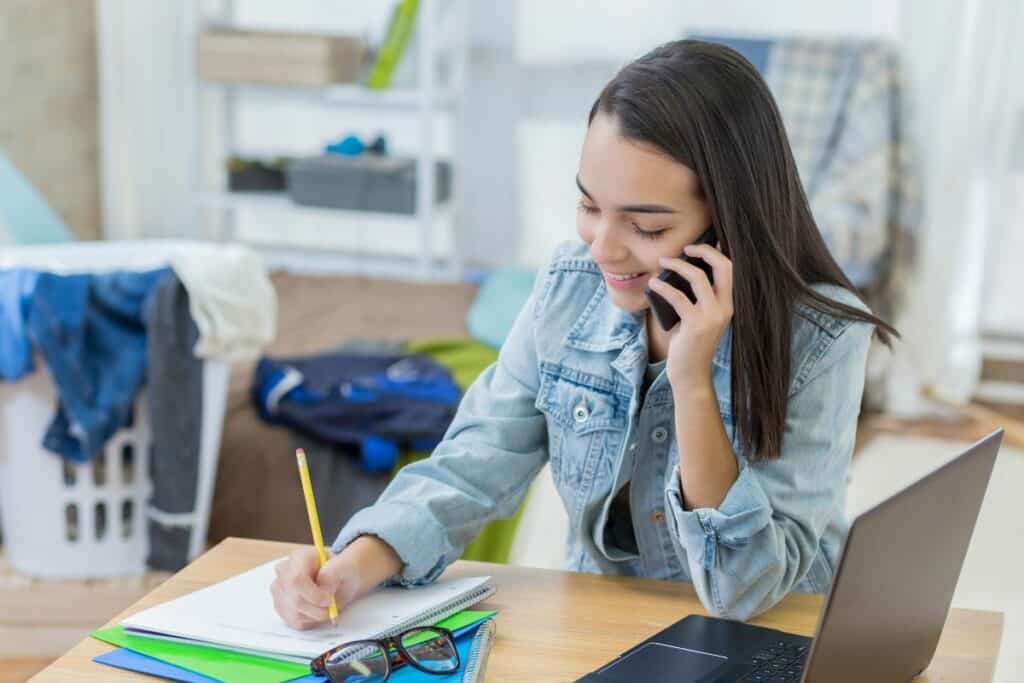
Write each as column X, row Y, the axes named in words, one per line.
column 430, row 649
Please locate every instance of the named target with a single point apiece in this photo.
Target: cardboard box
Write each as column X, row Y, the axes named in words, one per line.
column 279, row 58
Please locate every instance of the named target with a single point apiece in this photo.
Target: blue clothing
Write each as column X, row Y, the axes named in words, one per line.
column 16, row 287
column 90, row 331
column 566, row 390
column 413, row 377
column 377, row 403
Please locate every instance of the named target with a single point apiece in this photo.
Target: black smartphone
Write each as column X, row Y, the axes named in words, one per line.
column 663, row 310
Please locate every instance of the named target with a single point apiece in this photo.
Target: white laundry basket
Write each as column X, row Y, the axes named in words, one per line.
column 67, row 520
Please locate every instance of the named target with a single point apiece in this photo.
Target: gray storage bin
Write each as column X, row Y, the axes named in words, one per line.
column 365, row 183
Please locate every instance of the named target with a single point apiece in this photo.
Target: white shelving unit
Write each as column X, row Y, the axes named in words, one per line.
column 420, row 246
column 347, row 95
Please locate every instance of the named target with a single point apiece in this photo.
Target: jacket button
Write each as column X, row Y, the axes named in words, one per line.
column 581, row 413
column 658, row 517
column 659, row 435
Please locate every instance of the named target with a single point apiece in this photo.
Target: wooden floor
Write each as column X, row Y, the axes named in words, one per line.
column 41, row 619
column 951, row 429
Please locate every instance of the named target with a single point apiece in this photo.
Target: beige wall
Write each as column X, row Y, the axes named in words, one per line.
column 49, row 124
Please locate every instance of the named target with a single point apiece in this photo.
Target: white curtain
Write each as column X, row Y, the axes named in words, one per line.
column 1003, row 312
column 147, row 105
column 955, row 54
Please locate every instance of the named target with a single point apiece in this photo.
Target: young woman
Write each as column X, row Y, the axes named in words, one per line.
column 715, row 452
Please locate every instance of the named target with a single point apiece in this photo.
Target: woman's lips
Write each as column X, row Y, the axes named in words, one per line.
column 633, row 282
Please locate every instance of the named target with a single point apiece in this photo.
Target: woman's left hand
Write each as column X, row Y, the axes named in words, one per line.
column 694, row 340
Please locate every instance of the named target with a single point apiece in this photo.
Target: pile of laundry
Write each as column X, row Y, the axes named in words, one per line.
column 104, row 335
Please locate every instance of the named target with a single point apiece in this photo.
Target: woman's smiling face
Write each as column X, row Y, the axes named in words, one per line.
column 636, row 206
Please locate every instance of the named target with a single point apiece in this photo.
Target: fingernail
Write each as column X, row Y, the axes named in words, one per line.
column 663, row 260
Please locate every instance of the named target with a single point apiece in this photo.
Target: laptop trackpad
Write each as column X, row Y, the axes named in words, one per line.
column 661, row 663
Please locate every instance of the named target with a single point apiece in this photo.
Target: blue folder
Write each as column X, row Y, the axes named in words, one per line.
column 136, row 661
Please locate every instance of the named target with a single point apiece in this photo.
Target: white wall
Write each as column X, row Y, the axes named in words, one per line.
column 557, row 40
column 1004, row 277
column 1003, row 312
column 147, row 85
column 612, row 30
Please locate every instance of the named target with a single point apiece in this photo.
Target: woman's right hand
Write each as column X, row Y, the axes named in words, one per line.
column 302, row 589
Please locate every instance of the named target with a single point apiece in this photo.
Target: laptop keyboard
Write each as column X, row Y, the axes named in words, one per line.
column 780, row 663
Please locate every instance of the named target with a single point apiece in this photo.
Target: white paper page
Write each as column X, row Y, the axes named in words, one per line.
column 239, row 613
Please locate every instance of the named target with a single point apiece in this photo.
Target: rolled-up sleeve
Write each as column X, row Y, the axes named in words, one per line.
column 480, row 471
column 745, row 555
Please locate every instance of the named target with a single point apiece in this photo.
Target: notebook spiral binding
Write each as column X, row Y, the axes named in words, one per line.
column 477, row 660
column 444, row 610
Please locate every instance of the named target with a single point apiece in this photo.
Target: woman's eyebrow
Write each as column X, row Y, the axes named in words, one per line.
column 631, row 208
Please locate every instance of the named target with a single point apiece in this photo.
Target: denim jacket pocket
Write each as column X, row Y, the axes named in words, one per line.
column 586, row 419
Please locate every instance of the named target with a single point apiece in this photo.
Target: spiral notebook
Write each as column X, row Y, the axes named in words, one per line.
column 238, row 614
column 475, row 666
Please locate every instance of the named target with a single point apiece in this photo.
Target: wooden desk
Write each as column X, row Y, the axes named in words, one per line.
column 556, row 626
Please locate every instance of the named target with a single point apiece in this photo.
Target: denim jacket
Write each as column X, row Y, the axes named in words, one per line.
column 565, row 390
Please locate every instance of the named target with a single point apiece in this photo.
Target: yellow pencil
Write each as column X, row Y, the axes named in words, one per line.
column 314, row 520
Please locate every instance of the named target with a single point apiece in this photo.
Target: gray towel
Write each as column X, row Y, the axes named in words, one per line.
column 175, row 398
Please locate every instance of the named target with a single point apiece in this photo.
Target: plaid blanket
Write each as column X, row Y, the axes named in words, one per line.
column 840, row 101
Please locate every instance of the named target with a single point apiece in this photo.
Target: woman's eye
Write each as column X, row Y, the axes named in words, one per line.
column 648, row 234
column 587, row 209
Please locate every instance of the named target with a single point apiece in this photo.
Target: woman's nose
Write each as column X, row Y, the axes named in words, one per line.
column 606, row 248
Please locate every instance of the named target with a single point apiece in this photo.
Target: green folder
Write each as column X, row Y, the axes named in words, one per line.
column 403, row 19
column 226, row 665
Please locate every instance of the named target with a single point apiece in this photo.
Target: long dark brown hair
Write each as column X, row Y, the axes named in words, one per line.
column 707, row 107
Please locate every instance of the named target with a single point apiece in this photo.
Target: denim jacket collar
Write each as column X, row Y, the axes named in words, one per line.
column 604, row 327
